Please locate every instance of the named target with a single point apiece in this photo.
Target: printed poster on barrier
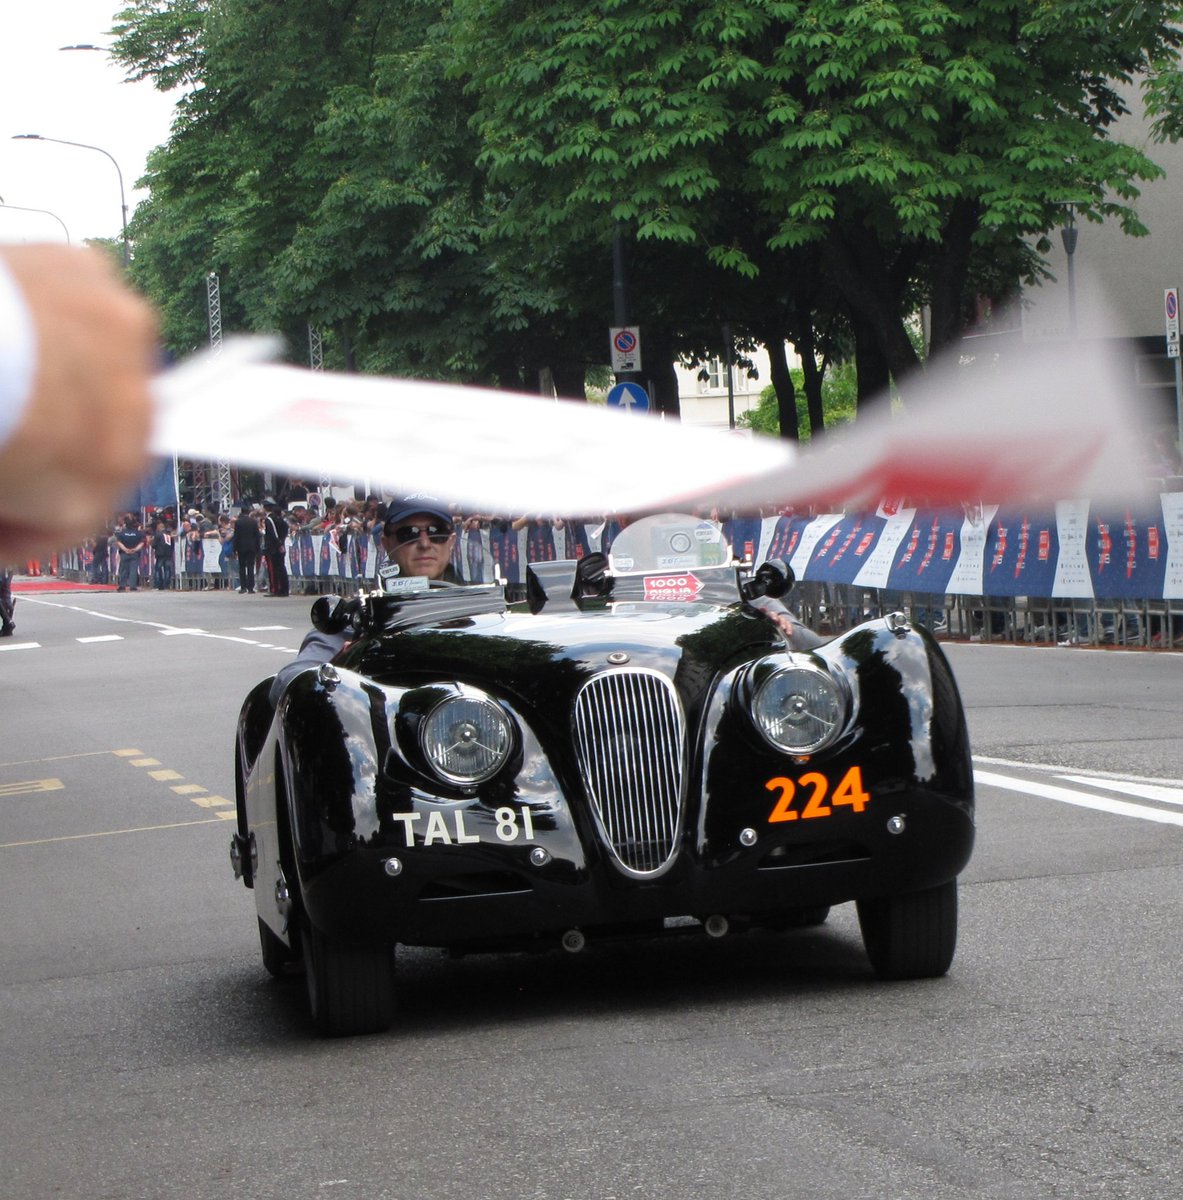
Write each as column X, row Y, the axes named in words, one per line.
column 1073, row 580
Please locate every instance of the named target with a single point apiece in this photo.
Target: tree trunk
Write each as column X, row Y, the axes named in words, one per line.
column 871, row 367
column 569, row 379
column 812, row 376
column 949, row 273
column 782, row 384
column 855, row 261
column 657, row 349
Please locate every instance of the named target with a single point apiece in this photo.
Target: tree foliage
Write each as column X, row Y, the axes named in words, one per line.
column 437, row 185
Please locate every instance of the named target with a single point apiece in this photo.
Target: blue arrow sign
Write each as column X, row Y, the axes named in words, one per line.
column 630, row 396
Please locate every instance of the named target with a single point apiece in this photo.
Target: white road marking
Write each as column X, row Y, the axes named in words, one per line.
column 1147, row 791
column 102, row 637
column 262, row 628
column 163, row 627
column 1121, row 808
column 1060, row 769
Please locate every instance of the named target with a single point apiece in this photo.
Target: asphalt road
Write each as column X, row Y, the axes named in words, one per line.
column 145, row 1053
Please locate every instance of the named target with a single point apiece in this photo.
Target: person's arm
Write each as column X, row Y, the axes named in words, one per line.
column 77, row 351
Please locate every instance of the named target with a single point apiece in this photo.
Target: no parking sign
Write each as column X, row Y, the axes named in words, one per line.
column 626, row 349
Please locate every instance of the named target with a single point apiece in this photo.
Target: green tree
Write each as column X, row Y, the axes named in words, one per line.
column 911, row 142
column 839, row 400
column 437, row 185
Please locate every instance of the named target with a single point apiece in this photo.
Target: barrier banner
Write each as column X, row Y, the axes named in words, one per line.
column 1126, row 553
column 1172, row 511
column 839, row 556
column 1022, row 551
column 1074, row 551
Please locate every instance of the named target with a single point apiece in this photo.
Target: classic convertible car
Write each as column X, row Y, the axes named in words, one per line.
column 655, row 746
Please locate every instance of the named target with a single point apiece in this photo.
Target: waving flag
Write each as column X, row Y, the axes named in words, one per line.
column 1035, row 425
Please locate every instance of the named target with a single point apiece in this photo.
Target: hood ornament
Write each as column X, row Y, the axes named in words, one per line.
column 618, row 658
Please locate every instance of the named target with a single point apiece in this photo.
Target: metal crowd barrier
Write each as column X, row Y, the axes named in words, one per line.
column 1022, row 620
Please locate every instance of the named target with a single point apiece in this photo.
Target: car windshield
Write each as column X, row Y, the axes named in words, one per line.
column 669, row 542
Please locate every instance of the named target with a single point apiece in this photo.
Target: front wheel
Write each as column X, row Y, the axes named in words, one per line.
column 351, row 988
column 912, row 936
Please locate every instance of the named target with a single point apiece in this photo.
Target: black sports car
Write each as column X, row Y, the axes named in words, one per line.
column 655, row 739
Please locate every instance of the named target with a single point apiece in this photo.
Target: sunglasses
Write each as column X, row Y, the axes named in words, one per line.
column 405, row 534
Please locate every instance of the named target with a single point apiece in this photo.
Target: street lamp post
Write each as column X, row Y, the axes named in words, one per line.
column 43, row 211
column 37, row 137
column 1068, row 235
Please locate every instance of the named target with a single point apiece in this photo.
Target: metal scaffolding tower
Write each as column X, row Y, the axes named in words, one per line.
column 221, row 482
column 317, row 363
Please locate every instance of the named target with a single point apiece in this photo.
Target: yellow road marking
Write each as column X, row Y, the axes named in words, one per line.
column 77, row 837
column 31, row 786
column 195, row 792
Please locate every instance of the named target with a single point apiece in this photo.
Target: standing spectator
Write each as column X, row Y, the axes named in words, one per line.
column 246, row 547
column 194, row 549
column 7, row 603
column 129, row 541
column 275, row 533
column 226, row 560
column 162, row 557
column 100, row 567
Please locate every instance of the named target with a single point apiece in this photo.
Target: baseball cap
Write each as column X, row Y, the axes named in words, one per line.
column 417, row 502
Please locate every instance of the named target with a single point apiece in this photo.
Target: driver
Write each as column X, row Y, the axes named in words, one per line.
column 418, row 537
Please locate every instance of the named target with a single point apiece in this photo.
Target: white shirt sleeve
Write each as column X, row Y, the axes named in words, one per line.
column 18, row 355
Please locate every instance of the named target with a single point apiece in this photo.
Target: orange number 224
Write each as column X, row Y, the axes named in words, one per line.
column 819, row 802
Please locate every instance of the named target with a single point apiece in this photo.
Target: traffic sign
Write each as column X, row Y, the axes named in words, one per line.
column 1171, row 307
column 626, row 349
column 630, row 396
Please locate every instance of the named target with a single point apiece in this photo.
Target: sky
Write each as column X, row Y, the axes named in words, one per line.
column 77, row 96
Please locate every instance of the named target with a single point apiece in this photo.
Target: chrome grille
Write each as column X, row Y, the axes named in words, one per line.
column 629, row 736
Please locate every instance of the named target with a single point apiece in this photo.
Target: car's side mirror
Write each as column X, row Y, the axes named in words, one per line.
column 773, row 578
column 331, row 614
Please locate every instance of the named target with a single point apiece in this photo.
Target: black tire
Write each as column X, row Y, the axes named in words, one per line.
column 808, row 918
column 795, row 918
column 351, row 988
column 280, row 960
column 912, row 936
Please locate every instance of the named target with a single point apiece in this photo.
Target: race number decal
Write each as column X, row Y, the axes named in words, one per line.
column 810, row 796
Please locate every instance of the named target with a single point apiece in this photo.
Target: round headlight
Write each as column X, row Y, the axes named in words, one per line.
column 798, row 709
column 466, row 738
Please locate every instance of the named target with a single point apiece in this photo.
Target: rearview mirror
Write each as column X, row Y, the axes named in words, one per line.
column 773, row 578
column 331, row 614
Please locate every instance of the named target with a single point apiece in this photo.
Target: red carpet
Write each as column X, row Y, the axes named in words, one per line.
column 51, row 583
